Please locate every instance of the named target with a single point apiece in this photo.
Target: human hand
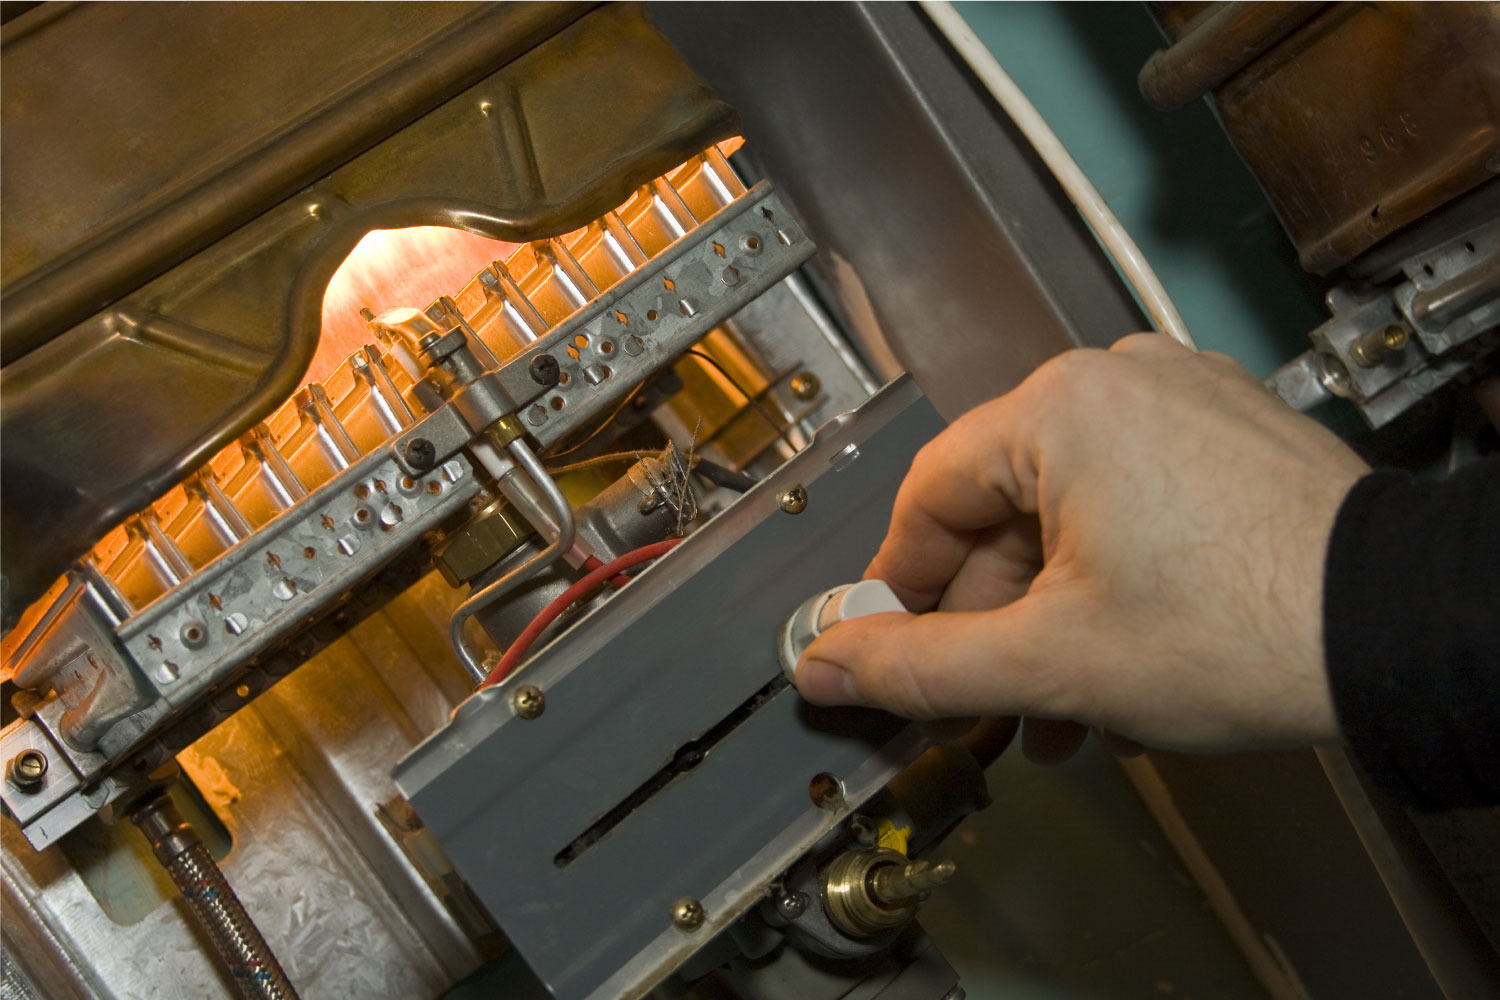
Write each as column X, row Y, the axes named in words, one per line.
column 1132, row 539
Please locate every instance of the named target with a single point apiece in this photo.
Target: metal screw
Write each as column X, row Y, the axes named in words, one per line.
column 687, row 914
column 27, row 769
column 793, row 499
column 805, row 385
column 545, row 370
column 1333, row 375
column 862, row 829
column 421, row 454
column 792, row 904
column 528, row 701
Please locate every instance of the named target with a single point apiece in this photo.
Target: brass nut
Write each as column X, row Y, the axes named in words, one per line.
column 528, row 701
column 489, row 536
column 27, row 769
column 793, row 499
column 687, row 914
column 805, row 385
column 850, row 904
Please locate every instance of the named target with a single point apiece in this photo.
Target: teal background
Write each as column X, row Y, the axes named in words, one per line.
column 1173, row 179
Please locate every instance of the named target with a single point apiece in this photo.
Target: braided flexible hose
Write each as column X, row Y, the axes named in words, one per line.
column 214, row 904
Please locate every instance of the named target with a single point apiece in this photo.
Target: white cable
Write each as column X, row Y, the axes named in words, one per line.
column 1092, row 207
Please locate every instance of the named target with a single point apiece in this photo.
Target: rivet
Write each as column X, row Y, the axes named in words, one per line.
column 193, row 634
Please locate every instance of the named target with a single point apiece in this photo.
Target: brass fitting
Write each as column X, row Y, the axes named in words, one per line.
column 1377, row 345
column 488, row 537
column 868, row 892
column 505, row 430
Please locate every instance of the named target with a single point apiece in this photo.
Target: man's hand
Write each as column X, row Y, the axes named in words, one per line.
column 1132, row 539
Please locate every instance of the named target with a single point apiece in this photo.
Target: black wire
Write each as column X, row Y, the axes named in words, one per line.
column 613, row 458
column 605, row 423
column 775, row 424
column 722, row 476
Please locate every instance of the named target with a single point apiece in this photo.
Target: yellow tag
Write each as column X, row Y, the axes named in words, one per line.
column 888, row 834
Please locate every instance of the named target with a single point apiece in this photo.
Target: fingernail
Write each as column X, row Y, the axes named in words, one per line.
column 823, row 683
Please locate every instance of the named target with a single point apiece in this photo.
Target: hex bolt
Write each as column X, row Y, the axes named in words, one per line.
column 545, row 370
column 793, row 499
column 27, row 769
column 805, row 385
column 1374, row 347
column 420, row 454
column 528, row 701
column 792, row 904
column 687, row 914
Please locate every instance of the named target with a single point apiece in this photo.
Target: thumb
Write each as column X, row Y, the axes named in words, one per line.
column 948, row 663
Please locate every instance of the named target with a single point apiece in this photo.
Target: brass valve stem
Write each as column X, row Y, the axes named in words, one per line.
column 869, row 892
column 894, row 885
column 1377, row 345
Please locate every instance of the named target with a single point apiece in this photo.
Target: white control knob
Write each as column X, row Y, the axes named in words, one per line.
column 823, row 611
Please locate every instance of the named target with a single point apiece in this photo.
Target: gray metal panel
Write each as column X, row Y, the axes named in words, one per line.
column 657, row 666
column 941, row 233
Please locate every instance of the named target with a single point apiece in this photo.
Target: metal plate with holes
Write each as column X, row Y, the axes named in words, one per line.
column 262, row 589
column 638, row 326
column 670, row 760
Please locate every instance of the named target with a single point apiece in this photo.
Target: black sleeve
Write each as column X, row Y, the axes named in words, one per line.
column 1411, row 632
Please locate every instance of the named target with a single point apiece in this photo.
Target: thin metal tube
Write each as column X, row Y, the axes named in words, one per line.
column 562, row 513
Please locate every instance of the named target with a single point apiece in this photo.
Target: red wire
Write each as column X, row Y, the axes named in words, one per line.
column 619, row 579
column 566, row 599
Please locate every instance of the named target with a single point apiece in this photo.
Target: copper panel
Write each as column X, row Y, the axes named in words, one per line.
column 105, row 415
column 1368, row 118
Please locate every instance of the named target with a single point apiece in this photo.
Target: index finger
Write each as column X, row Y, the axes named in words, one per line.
column 978, row 473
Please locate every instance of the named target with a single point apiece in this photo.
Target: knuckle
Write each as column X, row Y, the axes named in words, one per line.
column 1069, row 372
column 1142, row 343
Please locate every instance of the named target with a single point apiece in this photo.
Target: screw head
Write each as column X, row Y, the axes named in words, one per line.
column 805, row 385
column 793, row 499
column 528, row 701
column 420, row 454
column 792, row 904
column 27, row 769
column 687, row 914
column 545, row 371
column 862, row 829
column 1394, row 338
column 1334, row 375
